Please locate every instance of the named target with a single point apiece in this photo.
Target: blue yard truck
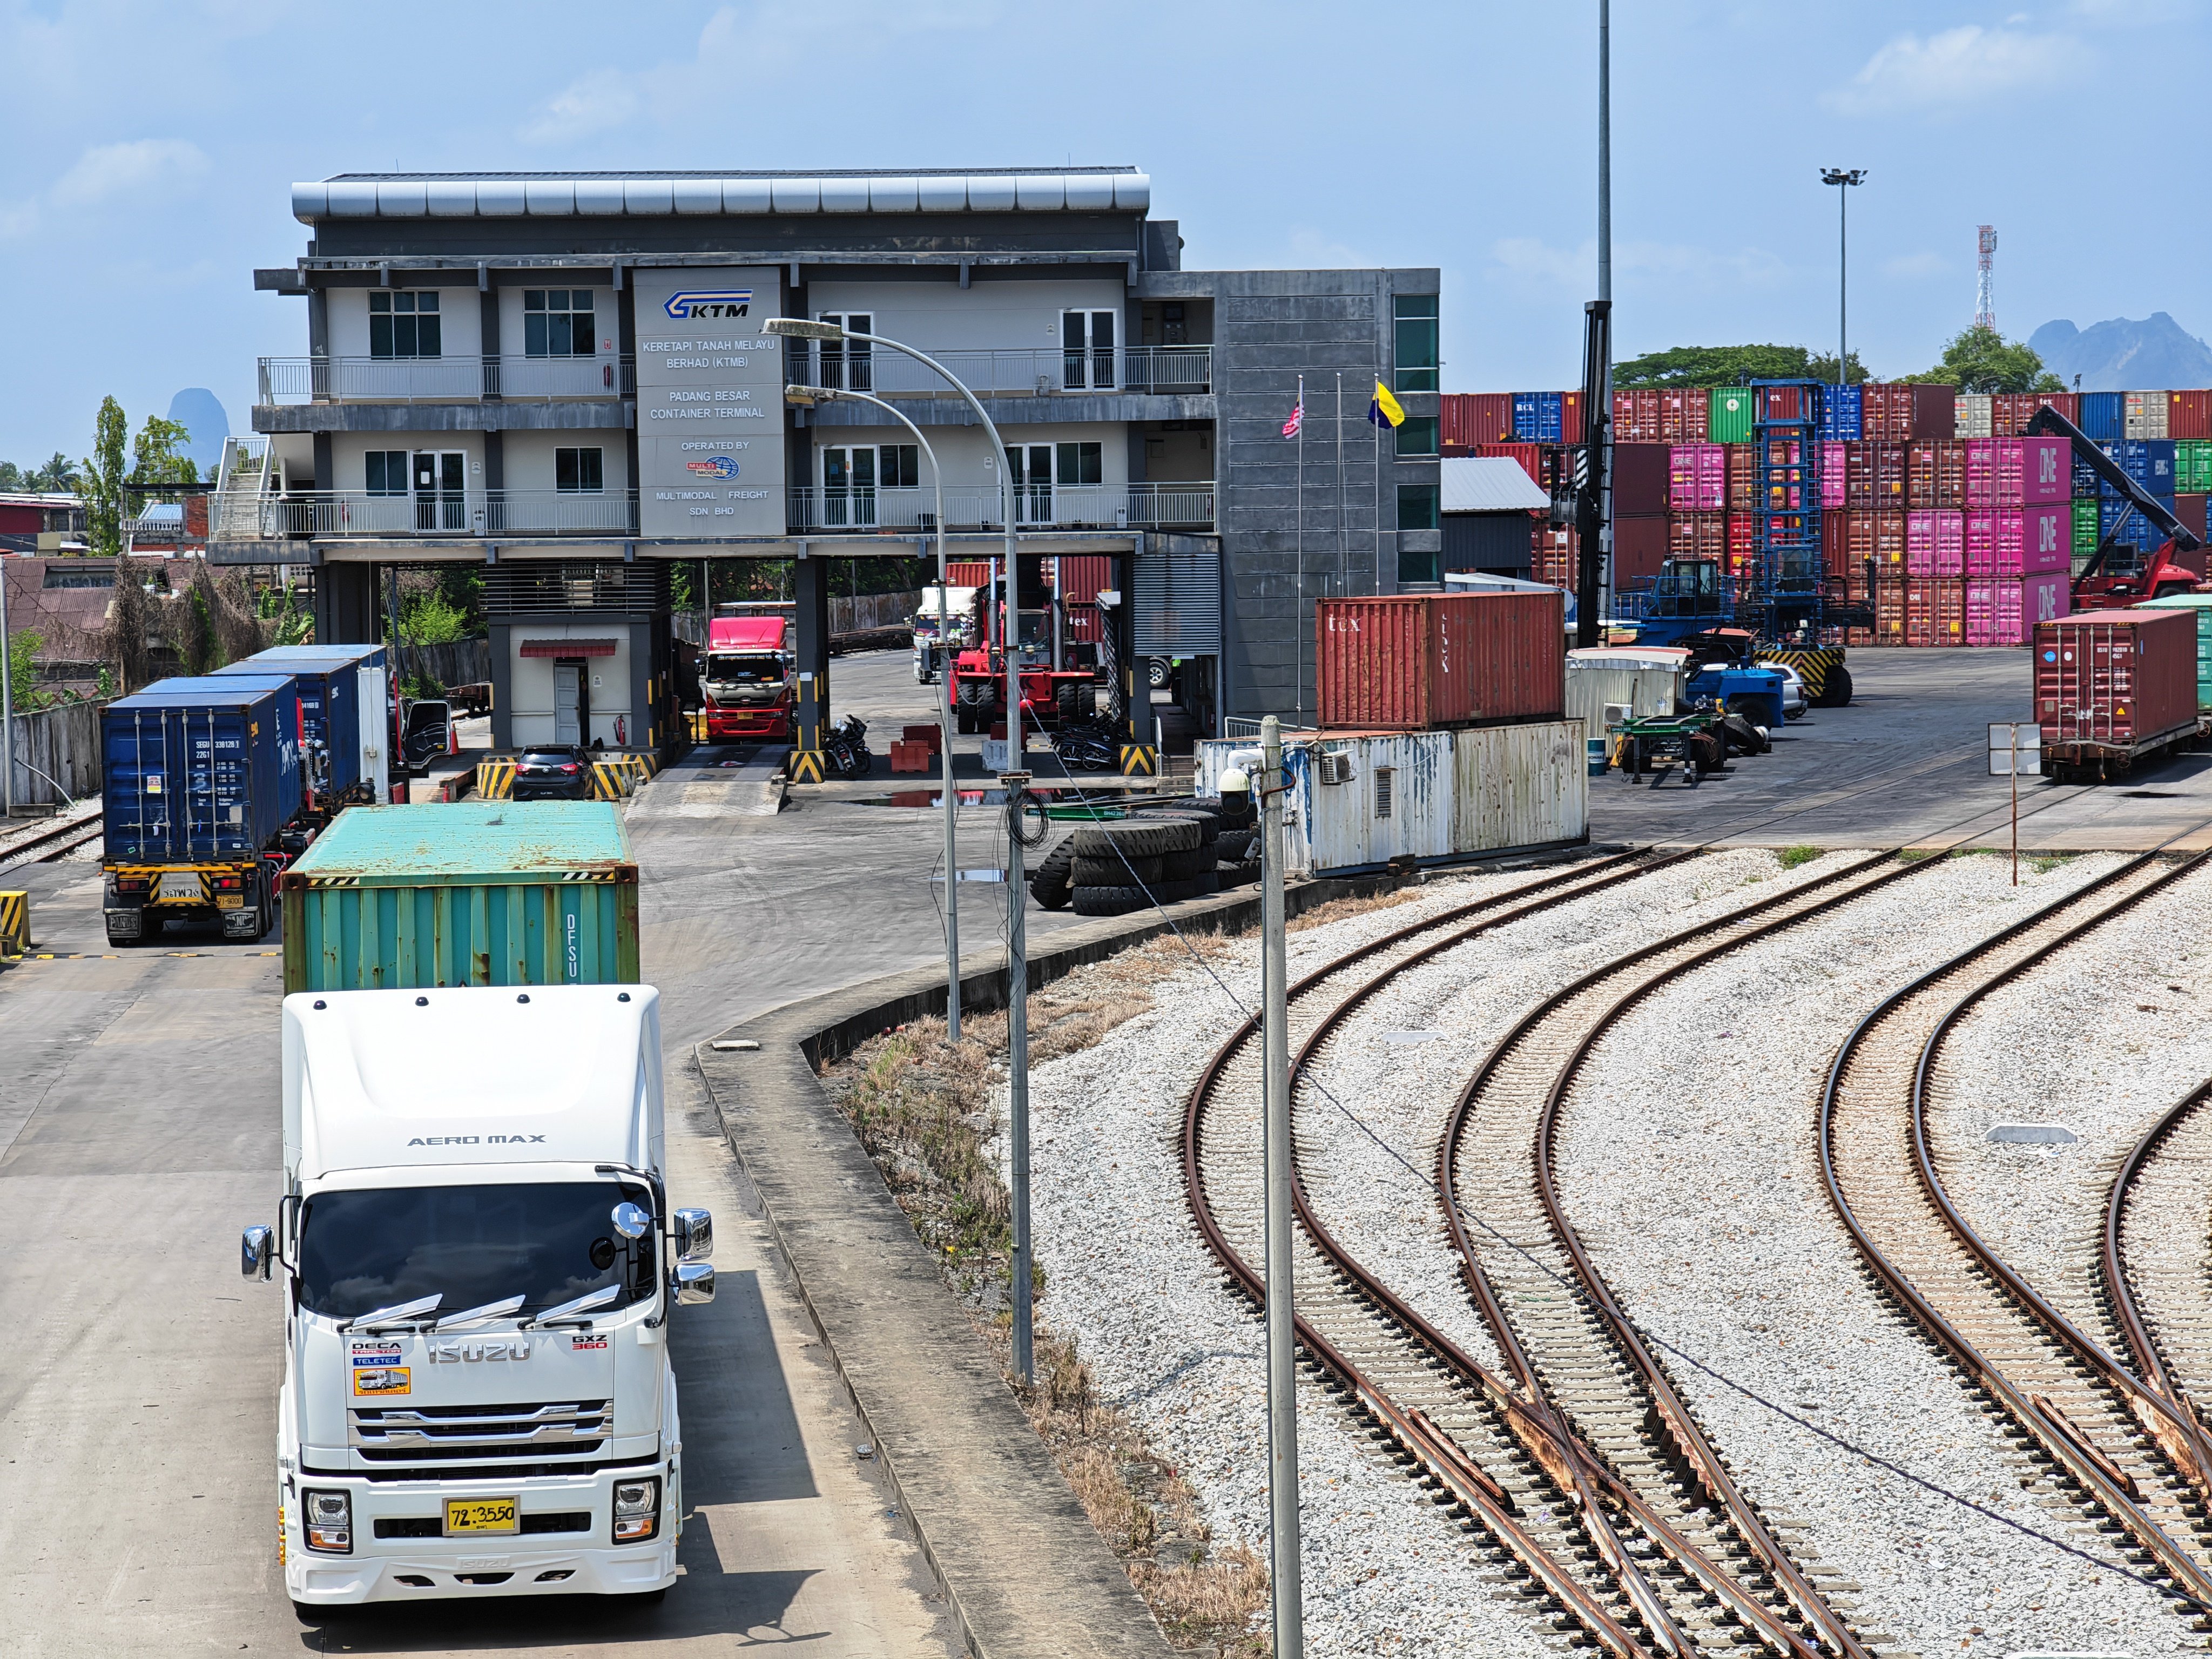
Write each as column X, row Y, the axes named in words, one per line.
column 201, row 786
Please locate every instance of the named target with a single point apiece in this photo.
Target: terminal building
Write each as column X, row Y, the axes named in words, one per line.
column 563, row 378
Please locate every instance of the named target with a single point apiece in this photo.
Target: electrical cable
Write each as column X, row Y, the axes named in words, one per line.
column 1873, row 1458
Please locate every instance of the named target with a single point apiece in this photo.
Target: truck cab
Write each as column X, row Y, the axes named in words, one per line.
column 479, row 1260
column 954, row 610
column 749, row 676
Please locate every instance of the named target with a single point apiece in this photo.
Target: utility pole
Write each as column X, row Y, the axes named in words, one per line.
column 1284, row 1565
column 1600, row 420
column 7, row 711
column 1842, row 179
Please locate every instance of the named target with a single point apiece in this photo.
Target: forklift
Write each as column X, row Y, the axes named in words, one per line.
column 2119, row 573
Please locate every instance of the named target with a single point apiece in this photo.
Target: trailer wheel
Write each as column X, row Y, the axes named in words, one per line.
column 1836, row 689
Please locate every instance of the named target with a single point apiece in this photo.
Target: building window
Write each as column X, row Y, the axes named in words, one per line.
column 1081, row 464
column 1417, row 508
column 1416, row 343
column 557, row 322
column 579, row 471
column 387, row 472
column 1416, row 569
column 849, row 364
column 1417, row 437
column 899, row 467
column 1087, row 343
column 402, row 326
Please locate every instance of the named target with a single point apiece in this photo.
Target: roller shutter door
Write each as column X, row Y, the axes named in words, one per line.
column 1178, row 603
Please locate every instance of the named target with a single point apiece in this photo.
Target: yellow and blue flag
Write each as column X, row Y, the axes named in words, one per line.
column 1384, row 410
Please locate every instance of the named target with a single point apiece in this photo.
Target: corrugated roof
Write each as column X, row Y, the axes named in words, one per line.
column 1489, row 484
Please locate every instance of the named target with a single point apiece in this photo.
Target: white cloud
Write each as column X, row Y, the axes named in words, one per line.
column 597, row 103
column 138, row 167
column 1914, row 267
column 1671, row 262
column 1958, row 66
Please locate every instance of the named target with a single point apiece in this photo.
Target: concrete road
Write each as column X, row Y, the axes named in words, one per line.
column 1907, row 762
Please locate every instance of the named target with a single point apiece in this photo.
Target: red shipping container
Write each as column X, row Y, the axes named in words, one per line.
column 1873, row 478
column 1420, row 662
column 1639, row 480
column 1934, row 610
column 2009, row 412
column 1468, row 418
column 1936, row 473
column 2190, row 509
column 2067, row 404
column 1635, row 417
column 1697, row 535
column 2012, row 472
column 1897, row 413
column 1776, row 403
column 1835, row 544
column 1935, row 543
column 1639, row 547
column 1570, row 417
column 1742, row 543
column 1876, row 537
column 1889, row 612
column 2189, row 415
column 2005, row 609
column 1742, row 476
column 969, row 572
column 1683, row 413
column 2107, row 679
column 1531, row 457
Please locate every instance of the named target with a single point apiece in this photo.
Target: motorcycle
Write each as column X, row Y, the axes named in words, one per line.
column 846, row 749
column 1092, row 745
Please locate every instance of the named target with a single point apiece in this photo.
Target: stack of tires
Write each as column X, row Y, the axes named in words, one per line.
column 1113, row 868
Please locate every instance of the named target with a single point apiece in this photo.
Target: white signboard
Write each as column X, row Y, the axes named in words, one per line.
column 709, row 402
column 2007, row 741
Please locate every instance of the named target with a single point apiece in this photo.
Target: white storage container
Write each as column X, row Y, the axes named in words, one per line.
column 1974, row 415
column 1357, row 802
column 2146, row 415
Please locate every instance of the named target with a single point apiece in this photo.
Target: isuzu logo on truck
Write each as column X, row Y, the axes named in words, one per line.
column 454, row 1353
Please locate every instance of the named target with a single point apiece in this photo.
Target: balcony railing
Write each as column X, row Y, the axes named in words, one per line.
column 455, row 513
column 1145, row 371
column 442, row 380
column 1083, row 507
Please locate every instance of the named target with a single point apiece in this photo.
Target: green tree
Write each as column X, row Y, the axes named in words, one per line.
column 23, row 648
column 12, row 477
column 155, row 454
column 1980, row 358
column 1727, row 366
column 59, row 473
column 431, row 619
column 103, row 483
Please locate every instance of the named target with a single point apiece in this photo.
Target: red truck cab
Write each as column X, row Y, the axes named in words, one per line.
column 748, row 678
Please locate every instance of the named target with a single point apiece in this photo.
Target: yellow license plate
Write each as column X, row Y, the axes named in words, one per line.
column 472, row 1516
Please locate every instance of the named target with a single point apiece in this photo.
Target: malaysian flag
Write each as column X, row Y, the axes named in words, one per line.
column 1298, row 420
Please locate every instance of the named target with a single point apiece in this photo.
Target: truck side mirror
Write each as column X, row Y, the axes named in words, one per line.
column 693, row 1231
column 694, row 1284
column 254, row 1249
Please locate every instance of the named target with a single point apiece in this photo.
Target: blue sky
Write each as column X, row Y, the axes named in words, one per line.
column 149, row 149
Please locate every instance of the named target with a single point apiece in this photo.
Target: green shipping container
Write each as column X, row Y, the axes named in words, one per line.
column 2192, row 466
column 2085, row 527
column 1728, row 415
column 2202, row 605
column 472, row 893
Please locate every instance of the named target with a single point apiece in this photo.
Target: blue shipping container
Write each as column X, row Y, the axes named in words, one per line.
column 2104, row 416
column 1842, row 413
column 1538, row 417
column 330, row 707
column 2137, row 531
column 202, row 773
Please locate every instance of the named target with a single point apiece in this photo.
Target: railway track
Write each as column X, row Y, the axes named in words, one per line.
column 2156, row 1259
column 2119, row 1444
column 51, row 844
column 1637, row 1575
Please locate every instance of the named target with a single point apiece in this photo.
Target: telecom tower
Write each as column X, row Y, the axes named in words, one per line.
column 1985, row 310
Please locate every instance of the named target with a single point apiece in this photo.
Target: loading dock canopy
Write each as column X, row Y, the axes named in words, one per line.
column 568, row 647
column 1489, row 483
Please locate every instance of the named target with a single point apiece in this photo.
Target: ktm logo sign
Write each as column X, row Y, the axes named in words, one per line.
column 709, row 302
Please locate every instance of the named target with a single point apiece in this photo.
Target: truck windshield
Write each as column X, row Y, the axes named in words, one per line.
column 727, row 667
column 362, row 1250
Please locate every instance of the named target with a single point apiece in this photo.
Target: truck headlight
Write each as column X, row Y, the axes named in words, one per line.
column 328, row 1522
column 637, row 1510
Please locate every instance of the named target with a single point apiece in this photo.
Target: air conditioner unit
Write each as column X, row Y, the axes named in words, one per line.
column 1335, row 766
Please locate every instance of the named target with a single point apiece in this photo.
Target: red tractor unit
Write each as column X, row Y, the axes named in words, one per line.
column 748, row 676
column 1051, row 698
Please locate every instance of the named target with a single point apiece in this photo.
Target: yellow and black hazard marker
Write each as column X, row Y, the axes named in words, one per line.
column 611, row 780
column 1139, row 760
column 1813, row 664
column 496, row 779
column 14, row 924
column 806, row 766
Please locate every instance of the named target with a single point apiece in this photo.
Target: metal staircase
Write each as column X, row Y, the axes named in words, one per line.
column 244, row 482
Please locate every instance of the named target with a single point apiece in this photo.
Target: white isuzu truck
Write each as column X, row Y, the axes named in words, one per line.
column 479, row 1260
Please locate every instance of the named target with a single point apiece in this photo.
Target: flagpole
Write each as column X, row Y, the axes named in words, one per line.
column 1342, row 575
column 1298, row 609
column 1378, row 425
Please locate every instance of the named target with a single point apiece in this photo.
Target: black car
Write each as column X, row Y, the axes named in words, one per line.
column 552, row 772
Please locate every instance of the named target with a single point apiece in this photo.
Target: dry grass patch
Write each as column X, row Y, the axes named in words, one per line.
column 922, row 1107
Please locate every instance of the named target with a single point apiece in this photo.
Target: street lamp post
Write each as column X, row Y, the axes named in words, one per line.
column 1018, row 968
column 806, row 397
column 1842, row 179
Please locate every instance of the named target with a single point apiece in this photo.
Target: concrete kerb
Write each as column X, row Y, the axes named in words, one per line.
column 1023, row 1569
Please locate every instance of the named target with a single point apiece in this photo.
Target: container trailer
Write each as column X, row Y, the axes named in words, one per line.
column 2114, row 690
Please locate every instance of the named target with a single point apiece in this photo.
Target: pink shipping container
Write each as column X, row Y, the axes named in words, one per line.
column 2010, row 472
column 1419, row 662
column 1935, row 543
column 2004, row 610
column 2022, row 541
column 1835, row 475
column 1697, row 478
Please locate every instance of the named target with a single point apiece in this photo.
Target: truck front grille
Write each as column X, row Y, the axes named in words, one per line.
column 412, row 1434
